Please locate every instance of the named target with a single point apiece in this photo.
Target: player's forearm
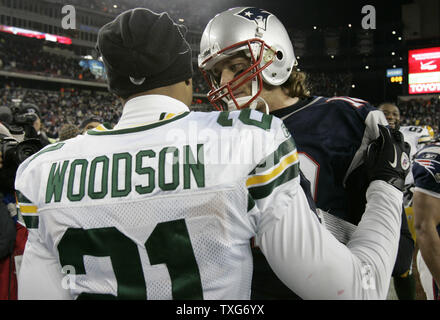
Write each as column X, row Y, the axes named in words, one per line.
column 429, row 244
column 426, row 218
column 310, row 261
column 376, row 239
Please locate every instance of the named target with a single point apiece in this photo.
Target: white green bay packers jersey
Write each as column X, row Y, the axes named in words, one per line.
column 164, row 205
column 159, row 211
column 413, row 135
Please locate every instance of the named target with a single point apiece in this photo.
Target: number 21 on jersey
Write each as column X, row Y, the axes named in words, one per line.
column 169, row 243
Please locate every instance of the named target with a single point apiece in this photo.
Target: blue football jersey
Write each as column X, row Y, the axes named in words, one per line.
column 426, row 169
column 426, row 172
column 331, row 135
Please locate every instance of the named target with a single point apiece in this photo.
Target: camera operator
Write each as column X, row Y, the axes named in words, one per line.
column 28, row 116
column 13, row 234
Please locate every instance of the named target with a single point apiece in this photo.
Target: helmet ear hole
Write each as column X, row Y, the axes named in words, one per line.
column 280, row 55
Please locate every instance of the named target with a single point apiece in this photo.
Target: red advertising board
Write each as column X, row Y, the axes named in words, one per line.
column 35, row 34
column 424, row 71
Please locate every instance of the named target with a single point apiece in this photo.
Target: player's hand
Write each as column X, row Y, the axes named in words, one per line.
column 387, row 158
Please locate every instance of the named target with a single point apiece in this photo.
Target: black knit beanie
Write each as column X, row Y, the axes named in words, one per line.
column 143, row 50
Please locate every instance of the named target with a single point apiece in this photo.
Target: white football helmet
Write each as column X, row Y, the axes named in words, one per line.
column 261, row 37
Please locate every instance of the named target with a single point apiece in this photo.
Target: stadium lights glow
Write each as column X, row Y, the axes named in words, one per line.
column 115, row 6
column 297, row 58
column 315, row 27
column 332, row 56
column 394, row 32
column 367, row 67
column 181, row 20
column 393, row 53
column 399, row 38
column 394, row 66
column 88, row 57
column 353, row 86
column 349, row 25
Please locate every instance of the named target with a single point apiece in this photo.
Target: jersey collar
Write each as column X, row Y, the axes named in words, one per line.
column 292, row 108
column 148, row 109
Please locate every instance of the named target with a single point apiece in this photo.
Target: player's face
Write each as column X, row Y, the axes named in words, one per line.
column 37, row 124
column 392, row 114
column 229, row 68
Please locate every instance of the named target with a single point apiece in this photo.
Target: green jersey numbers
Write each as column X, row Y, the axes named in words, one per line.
column 169, row 243
column 245, row 117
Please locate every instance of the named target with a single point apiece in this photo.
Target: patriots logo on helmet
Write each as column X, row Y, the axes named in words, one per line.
column 259, row 16
column 431, row 166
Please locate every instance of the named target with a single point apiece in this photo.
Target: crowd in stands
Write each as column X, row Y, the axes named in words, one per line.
column 420, row 112
column 20, row 54
column 25, row 55
column 321, row 84
column 72, row 106
column 66, row 106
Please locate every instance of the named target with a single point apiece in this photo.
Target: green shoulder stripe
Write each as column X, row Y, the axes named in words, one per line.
column 21, row 198
column 49, row 149
column 251, row 203
column 137, row 129
column 31, row 221
column 263, row 191
column 274, row 158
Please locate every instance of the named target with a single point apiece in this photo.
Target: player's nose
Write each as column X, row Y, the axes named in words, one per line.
column 226, row 76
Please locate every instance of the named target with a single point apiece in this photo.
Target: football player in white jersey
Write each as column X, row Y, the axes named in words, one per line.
column 163, row 206
column 417, row 137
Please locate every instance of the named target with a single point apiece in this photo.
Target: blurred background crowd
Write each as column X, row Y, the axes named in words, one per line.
column 58, row 79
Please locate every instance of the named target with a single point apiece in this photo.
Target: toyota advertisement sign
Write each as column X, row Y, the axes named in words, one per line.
column 424, row 71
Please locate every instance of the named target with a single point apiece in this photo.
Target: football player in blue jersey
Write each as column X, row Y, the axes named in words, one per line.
column 426, row 203
column 247, row 58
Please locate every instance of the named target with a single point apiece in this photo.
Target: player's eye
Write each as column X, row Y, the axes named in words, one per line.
column 215, row 77
column 238, row 68
column 215, row 73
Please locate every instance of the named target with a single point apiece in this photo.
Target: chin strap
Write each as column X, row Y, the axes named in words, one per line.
column 258, row 104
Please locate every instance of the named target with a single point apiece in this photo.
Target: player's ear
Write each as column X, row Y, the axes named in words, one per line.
column 188, row 82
